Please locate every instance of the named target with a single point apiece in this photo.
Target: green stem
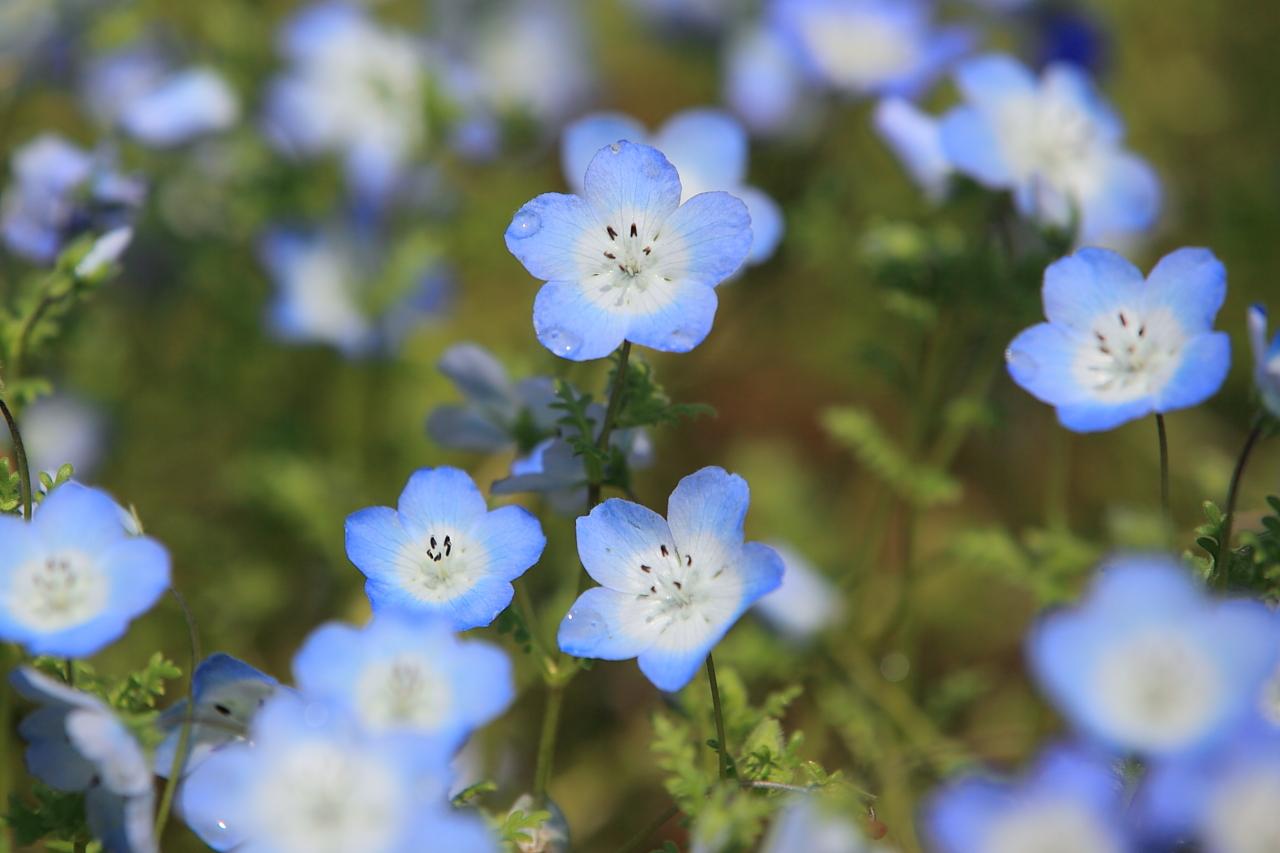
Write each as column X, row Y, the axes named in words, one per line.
column 595, row 485
column 1233, row 493
column 637, row 841
column 547, row 743
column 20, row 454
column 524, row 605
column 180, row 755
column 722, row 747
column 1165, row 505
column 71, row 672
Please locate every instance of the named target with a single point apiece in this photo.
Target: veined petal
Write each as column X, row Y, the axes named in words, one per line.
column 77, row 516
column 617, row 539
column 1206, row 360
column 629, row 184
column 512, row 539
column 1041, row 359
column 707, row 510
column 476, row 607
column 375, row 540
column 606, row 624
column 574, row 326
column 706, row 240
column 1092, row 282
column 439, row 496
column 708, row 147
column 1192, row 283
column 546, row 235
column 584, row 138
column 673, row 660
column 679, row 322
column 212, row 797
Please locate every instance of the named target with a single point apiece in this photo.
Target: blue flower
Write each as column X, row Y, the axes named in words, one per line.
column 186, row 105
column 1148, row 664
column 406, row 676
column 1117, row 348
column 765, row 85
column 310, row 778
column 916, row 138
column 1070, row 800
column 625, row 260
column 670, row 589
column 1052, row 142
column 869, row 47
column 1266, row 360
column 75, row 743
column 708, row 148
column 805, row 825
column 442, row 552
column 497, row 414
column 61, row 430
column 227, row 693
column 74, row 577
column 805, row 604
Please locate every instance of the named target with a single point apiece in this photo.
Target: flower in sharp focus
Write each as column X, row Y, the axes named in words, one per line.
column 806, row 603
column 1266, row 360
column 75, row 743
column 1148, row 664
column 406, row 676
column 73, row 578
column 625, row 260
column 1117, row 348
column 670, row 589
column 442, row 552
column 1070, row 800
column 708, row 148
column 916, row 138
column 1054, row 143
column 497, row 414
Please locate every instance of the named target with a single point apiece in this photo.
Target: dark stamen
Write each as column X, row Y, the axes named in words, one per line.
column 678, row 584
column 647, row 250
column 663, row 549
column 634, row 231
column 688, row 559
column 223, row 710
column 645, row 569
column 611, row 256
column 613, row 235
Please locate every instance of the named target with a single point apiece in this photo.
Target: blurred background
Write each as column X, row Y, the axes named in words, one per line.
column 266, row 362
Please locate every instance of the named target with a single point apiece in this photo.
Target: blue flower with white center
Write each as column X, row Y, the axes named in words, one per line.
column 75, row 743
column 1117, row 347
column 670, row 589
column 1070, row 800
column 497, row 414
column 1054, row 144
column 869, row 47
column 1148, row 664
column 916, row 138
column 626, row 260
column 228, row 693
column 310, row 778
column 1266, row 360
column 442, row 552
column 73, row 578
column 406, row 676
column 708, row 148
column 805, row 604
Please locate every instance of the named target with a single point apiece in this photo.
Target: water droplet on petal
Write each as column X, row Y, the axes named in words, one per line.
column 1023, row 367
column 561, row 342
column 582, row 629
column 526, row 223
column 683, row 340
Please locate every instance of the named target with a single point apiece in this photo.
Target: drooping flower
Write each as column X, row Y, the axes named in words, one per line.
column 670, row 588
column 1070, row 800
column 442, row 552
column 497, row 414
column 406, row 676
column 1117, row 348
column 75, row 743
column 1266, row 360
column 1054, row 144
column 73, row 578
column 804, row 824
column 708, row 148
column 805, row 604
column 916, row 138
column 1148, row 664
column 228, row 693
column 309, row 778
column 626, row 260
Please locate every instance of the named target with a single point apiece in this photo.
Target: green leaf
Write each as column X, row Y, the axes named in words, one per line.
column 917, row 483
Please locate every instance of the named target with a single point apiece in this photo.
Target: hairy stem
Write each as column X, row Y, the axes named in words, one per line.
column 180, row 755
column 1233, row 494
column 722, row 748
column 20, row 455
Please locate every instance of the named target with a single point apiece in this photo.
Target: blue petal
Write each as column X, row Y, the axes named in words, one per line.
column 708, row 147
column 939, row 52
column 616, row 539
column 121, row 824
column 475, row 608
column 1192, row 283
column 606, row 624
column 375, row 540
column 762, row 82
column 512, row 539
column 1092, row 282
column 681, row 323
column 706, row 240
column 627, row 183
column 211, row 799
column 766, row 223
column 1257, row 321
column 970, row 143
column 74, row 516
column 1067, row 84
column 584, row 138
column 477, row 374
column 465, row 428
column 1040, row 359
column 572, row 326
column 189, row 104
column 988, row 82
column 50, row 757
column 484, row 681
column 439, row 496
column 545, row 234
column 1088, row 416
column 916, row 138
column 1127, row 199
column 762, row 570
column 670, row 668
column 707, row 509
column 1206, row 360
column 20, row 544
column 139, row 569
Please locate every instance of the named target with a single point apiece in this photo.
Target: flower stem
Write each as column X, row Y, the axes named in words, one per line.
column 610, row 417
column 547, row 743
column 20, row 454
column 180, row 755
column 1233, row 493
column 721, row 746
column 1165, row 506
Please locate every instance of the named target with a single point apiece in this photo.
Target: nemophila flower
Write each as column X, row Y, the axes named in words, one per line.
column 498, row 414
column 869, row 47
column 442, row 552
column 804, row 824
column 73, row 578
column 670, row 589
column 310, row 779
column 764, row 84
column 405, row 675
column 916, row 138
column 1117, row 347
column 625, row 260
column 1070, row 800
column 709, row 149
column 58, row 192
column 1148, row 664
column 805, row 604
column 1054, row 144
column 60, row 430
column 75, row 743
column 227, row 693
column 1266, row 360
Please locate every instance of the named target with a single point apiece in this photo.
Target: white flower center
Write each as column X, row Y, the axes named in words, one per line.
column 624, row 256
column 1049, row 827
column 405, row 691
column 1242, row 817
column 1130, row 354
column 1048, row 138
column 688, row 594
column 858, row 51
column 1157, row 690
column 441, row 566
column 58, row 591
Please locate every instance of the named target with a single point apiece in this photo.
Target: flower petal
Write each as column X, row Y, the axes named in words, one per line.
column 680, row 651
column 546, row 236
column 707, row 510
column 584, row 138
column 439, row 496
column 1126, row 197
column 1040, row 359
column 1089, row 416
column 627, row 184
column 678, row 323
column 465, row 428
column 708, row 147
column 572, row 326
column 77, row 516
column 1206, row 360
column 616, row 539
column 606, row 624
column 1080, row 287
column 1193, row 284
column 767, row 223
column 988, row 81
column 512, row 539
column 706, row 240
column 970, row 143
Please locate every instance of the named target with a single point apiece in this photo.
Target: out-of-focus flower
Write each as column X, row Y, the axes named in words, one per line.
column 24, row 26
column 442, row 552
column 406, row 676
column 1266, row 359
column 104, row 253
column 1117, row 347
column 670, row 588
column 136, row 90
column 804, row 825
column 683, row 16
column 765, row 85
column 709, row 149
column 625, row 260
column 916, row 137
column 1070, row 800
column 75, row 743
column 1148, row 664
column 1054, row 143
column 61, row 430
column 75, row 577
column 805, row 604
column 497, row 414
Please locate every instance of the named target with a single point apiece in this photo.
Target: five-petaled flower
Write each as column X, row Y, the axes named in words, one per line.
column 442, row 552
column 1266, row 360
column 1116, row 348
column 626, row 260
column 670, row 589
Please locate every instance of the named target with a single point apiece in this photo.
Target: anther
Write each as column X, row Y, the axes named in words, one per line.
column 688, row 559
column 611, row 256
column 663, row 549
column 645, row 569
column 613, row 235
column 634, row 231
